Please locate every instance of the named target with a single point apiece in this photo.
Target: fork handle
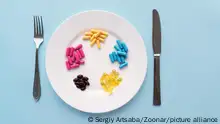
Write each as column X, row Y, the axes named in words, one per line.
column 36, row 87
column 157, row 99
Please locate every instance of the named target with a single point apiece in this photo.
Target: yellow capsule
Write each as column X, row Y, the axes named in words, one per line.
column 103, row 36
column 97, row 34
column 92, row 38
column 94, row 31
column 93, row 42
column 88, row 34
column 86, row 37
column 98, row 44
column 101, row 39
column 104, row 33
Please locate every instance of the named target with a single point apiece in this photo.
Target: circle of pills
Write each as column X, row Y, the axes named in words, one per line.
column 95, row 36
column 74, row 57
column 120, row 55
column 81, row 82
column 110, row 81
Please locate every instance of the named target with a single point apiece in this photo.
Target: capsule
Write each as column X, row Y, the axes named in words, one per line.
column 111, row 58
column 114, row 56
column 77, row 51
column 117, row 48
column 97, row 34
column 92, row 38
column 68, row 65
column 88, row 34
column 94, row 31
column 76, row 56
column 98, row 44
column 101, row 39
column 93, row 42
column 104, row 33
column 103, row 36
column 123, row 65
column 78, row 47
column 71, row 51
column 67, row 52
column 119, row 44
column 125, row 47
column 75, row 66
column 86, row 37
column 118, row 58
column 121, row 53
column 122, row 59
column 82, row 53
column 70, row 60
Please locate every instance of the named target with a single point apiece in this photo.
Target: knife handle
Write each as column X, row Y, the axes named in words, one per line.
column 157, row 98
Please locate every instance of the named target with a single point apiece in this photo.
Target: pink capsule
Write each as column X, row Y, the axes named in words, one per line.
column 67, row 52
column 73, row 58
column 76, row 57
column 79, row 47
column 77, row 51
column 70, row 60
column 71, row 52
column 74, row 66
column 81, row 53
column 82, row 62
column 68, row 65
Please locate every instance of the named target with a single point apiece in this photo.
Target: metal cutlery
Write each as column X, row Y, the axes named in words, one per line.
column 38, row 39
column 157, row 51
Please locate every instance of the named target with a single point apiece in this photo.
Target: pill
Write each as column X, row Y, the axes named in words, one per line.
column 81, row 53
column 92, row 38
column 114, row 56
column 76, row 56
column 117, row 48
column 67, row 52
column 111, row 57
column 70, row 60
column 98, row 44
column 97, row 34
column 73, row 58
column 118, row 58
column 86, row 37
column 125, row 47
column 105, row 33
column 74, row 66
column 94, row 30
column 123, row 65
column 101, row 39
column 88, row 34
column 71, row 51
column 122, row 59
column 68, row 65
column 103, row 36
column 82, row 62
column 93, row 42
column 122, row 50
column 119, row 43
column 77, row 51
column 78, row 47
column 121, row 53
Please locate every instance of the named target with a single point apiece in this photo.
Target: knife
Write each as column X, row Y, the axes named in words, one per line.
column 156, row 37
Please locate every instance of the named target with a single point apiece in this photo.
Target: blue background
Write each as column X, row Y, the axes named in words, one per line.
column 190, row 63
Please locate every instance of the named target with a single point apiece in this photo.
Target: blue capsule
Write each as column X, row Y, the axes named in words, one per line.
column 114, row 56
column 118, row 58
column 117, row 48
column 122, row 59
column 125, row 47
column 111, row 58
column 123, row 65
column 119, row 44
column 121, row 53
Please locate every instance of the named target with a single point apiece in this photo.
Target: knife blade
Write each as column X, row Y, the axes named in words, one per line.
column 156, row 39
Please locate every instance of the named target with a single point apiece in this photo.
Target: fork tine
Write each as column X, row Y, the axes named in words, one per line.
column 42, row 27
column 35, row 26
column 38, row 26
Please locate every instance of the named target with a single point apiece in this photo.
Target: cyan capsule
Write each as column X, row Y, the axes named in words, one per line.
column 122, row 59
column 111, row 57
column 118, row 58
column 117, row 48
column 121, row 53
column 114, row 56
column 123, row 65
column 119, row 43
column 125, row 47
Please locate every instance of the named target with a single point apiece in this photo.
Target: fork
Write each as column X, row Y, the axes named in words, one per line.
column 38, row 39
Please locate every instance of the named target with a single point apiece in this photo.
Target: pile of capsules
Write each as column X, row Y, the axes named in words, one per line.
column 74, row 57
column 110, row 81
column 95, row 36
column 120, row 54
column 81, row 82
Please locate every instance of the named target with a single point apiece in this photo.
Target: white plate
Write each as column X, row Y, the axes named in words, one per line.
column 94, row 99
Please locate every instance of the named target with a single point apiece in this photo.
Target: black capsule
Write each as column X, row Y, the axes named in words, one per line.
column 75, row 80
column 78, row 86
column 83, row 88
column 87, row 83
column 80, row 76
column 85, row 78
